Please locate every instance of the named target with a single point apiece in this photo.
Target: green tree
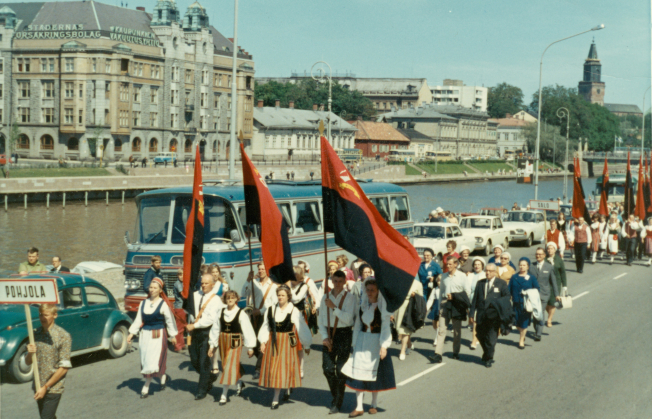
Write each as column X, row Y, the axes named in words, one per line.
column 587, row 120
column 552, row 143
column 503, row 99
column 306, row 93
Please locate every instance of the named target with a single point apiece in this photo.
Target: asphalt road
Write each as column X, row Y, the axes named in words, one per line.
column 593, row 363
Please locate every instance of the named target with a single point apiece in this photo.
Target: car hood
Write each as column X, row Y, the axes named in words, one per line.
column 518, row 224
column 14, row 315
column 422, row 242
column 476, row 230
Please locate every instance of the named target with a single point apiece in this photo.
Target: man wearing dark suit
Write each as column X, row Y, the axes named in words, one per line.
column 486, row 291
column 56, row 265
column 544, row 272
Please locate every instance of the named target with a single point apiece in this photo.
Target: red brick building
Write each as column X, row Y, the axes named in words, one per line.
column 378, row 138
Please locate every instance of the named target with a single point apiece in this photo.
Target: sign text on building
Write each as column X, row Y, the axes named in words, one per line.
column 72, row 31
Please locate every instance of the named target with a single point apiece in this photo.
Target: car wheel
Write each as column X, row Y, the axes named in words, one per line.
column 530, row 240
column 19, row 370
column 506, row 245
column 118, row 341
column 487, row 249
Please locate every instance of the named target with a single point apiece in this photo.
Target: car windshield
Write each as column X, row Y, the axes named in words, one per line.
column 521, row 217
column 429, row 232
column 475, row 223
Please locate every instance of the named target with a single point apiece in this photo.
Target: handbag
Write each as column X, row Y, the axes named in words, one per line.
column 566, row 301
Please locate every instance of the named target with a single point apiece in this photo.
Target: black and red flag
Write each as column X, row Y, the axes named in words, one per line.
column 604, row 195
column 274, row 240
column 193, row 247
column 640, row 208
column 360, row 229
column 579, row 205
column 628, row 207
column 647, row 190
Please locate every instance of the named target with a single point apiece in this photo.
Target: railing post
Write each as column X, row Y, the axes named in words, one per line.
column 25, row 196
column 86, row 198
column 123, row 197
column 107, row 197
column 64, row 200
column 6, row 203
column 47, row 200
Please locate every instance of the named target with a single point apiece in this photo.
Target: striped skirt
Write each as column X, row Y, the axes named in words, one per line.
column 232, row 370
column 280, row 367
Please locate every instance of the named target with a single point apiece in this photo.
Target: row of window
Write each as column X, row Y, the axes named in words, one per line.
column 309, row 142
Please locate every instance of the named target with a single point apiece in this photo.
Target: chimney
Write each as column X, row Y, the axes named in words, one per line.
column 509, row 115
column 314, row 107
column 142, row 9
column 260, row 103
column 321, row 107
column 291, row 104
column 278, row 103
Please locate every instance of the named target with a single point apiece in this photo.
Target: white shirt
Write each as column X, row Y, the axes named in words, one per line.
column 368, row 312
column 209, row 316
column 170, row 323
column 259, row 291
column 314, row 292
column 451, row 284
column 279, row 315
column 473, row 279
column 636, row 226
column 346, row 315
column 248, row 333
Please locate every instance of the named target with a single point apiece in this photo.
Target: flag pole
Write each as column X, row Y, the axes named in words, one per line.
column 328, row 313
column 248, row 233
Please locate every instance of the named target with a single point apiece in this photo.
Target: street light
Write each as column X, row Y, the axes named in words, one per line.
column 536, row 156
column 563, row 113
column 643, row 130
column 321, row 78
column 234, row 97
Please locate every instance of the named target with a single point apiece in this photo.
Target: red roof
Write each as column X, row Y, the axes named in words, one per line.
column 378, row 131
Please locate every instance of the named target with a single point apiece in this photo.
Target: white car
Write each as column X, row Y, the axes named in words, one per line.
column 526, row 226
column 436, row 235
column 487, row 230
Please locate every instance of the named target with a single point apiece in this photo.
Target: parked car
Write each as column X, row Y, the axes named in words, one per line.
column 526, row 226
column 87, row 311
column 162, row 158
column 436, row 235
column 498, row 212
column 488, row 231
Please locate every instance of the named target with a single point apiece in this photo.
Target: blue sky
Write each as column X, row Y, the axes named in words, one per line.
column 483, row 42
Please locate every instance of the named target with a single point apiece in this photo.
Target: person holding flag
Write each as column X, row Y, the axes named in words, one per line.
column 631, row 232
column 646, row 239
column 604, row 193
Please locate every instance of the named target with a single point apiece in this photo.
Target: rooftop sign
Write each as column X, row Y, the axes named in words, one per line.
column 77, row 31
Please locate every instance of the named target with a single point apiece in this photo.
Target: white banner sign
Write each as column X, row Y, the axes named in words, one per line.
column 29, row 291
column 544, row 205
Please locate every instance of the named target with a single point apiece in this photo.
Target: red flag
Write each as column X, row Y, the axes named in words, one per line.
column 579, row 205
column 360, row 229
column 274, row 239
column 604, row 195
column 639, row 210
column 649, row 187
column 193, row 247
column 628, row 207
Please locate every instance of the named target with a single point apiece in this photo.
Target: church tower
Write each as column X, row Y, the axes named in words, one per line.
column 591, row 88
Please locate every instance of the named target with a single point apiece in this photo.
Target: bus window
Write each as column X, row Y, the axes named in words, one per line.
column 242, row 214
column 153, row 219
column 382, row 207
column 307, row 217
column 218, row 220
column 285, row 211
column 400, row 208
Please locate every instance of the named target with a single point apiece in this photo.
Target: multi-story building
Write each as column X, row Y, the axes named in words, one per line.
column 510, row 134
column 376, row 139
column 455, row 92
column 76, row 75
column 293, row 134
column 461, row 131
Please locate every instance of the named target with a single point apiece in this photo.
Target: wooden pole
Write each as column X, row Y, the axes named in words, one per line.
column 107, row 197
column 6, row 203
column 25, row 196
column 64, row 200
column 86, row 198
column 251, row 269
column 30, row 332
column 47, row 205
column 123, row 197
column 327, row 292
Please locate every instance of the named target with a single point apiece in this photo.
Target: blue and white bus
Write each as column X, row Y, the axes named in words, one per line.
column 161, row 225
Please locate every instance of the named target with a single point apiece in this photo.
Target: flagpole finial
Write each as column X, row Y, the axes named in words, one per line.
column 321, row 128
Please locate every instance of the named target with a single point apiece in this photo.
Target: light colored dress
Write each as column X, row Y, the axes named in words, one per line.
column 152, row 321
column 416, row 288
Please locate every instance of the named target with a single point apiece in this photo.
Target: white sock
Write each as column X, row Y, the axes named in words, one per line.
column 145, row 389
column 277, row 395
column 374, row 399
column 238, row 385
column 225, row 391
column 163, row 378
column 359, row 396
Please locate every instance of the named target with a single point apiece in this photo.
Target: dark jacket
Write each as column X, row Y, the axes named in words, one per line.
column 147, row 279
column 502, row 313
column 415, row 314
column 546, row 278
column 61, row 269
column 457, row 306
column 560, row 271
column 480, row 304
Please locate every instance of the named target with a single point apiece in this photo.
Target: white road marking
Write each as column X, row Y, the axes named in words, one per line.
column 581, row 295
column 421, row 374
column 621, row 275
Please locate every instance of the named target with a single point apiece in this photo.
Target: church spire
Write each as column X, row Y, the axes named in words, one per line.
column 593, row 52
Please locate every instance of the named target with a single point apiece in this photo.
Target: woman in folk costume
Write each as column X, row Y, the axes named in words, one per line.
column 563, row 226
column 220, row 288
column 156, row 324
column 283, row 332
column 332, row 268
column 646, row 237
column 230, row 334
column 612, row 230
column 595, row 237
column 313, row 291
column 369, row 368
column 302, row 301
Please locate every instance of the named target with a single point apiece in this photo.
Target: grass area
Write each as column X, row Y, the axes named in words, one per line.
column 444, row 168
column 411, row 171
column 59, row 172
column 491, row 166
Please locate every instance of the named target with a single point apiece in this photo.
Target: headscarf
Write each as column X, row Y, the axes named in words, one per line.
column 506, row 254
column 165, row 298
column 463, row 248
column 524, row 259
column 499, row 247
column 553, row 244
column 307, row 265
column 481, row 260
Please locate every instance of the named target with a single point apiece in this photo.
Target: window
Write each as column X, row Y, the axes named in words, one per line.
column 153, row 145
column 23, row 65
column 73, row 144
column 70, row 89
column 68, row 116
column 117, row 145
column 1, row 90
column 229, row 104
column 173, row 120
column 228, row 79
column 219, row 219
column 107, row 66
column 400, row 209
column 23, row 141
column 23, row 87
column 124, row 118
column 173, row 96
column 0, row 116
column 156, row 71
column 204, row 100
column 47, row 143
column 187, row 146
column 107, row 90
column 71, row 298
column 216, row 101
column 94, row 65
column 374, row 148
column 136, row 93
column 285, row 211
column 124, row 92
column 382, row 207
column 2, row 66
column 154, row 95
column 139, row 69
column 202, row 122
column 308, row 220
column 204, row 77
column 124, row 65
column 70, row 65
column 94, row 119
column 48, row 115
column 80, row 119
column 24, row 114
column 47, row 65
column 135, row 144
column 107, row 117
column 188, row 75
column 136, row 116
column 93, row 89
column 81, row 90
column 175, row 73
column 153, row 119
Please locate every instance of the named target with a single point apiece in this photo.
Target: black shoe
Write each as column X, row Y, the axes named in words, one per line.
column 144, row 395
column 238, row 389
column 167, row 379
column 210, row 387
column 435, row 359
column 287, row 394
column 334, row 410
column 580, row 271
column 200, row 396
column 456, row 356
column 274, row 406
column 537, row 338
column 489, row 363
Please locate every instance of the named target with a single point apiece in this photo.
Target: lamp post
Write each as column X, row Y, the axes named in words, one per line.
column 234, row 97
column 643, row 130
column 321, row 78
column 563, row 113
column 536, row 156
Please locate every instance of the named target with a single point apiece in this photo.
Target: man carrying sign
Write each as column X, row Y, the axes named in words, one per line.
column 52, row 348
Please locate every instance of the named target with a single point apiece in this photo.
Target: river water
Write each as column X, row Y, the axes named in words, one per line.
column 78, row 233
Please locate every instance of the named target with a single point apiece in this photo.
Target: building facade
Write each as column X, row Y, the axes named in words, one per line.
column 77, row 75
column 591, row 88
column 378, row 138
column 509, row 135
column 293, row 134
column 455, row 92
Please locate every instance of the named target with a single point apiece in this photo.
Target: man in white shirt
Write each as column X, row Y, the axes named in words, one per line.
column 336, row 319
column 262, row 297
column 630, row 232
column 206, row 308
column 452, row 281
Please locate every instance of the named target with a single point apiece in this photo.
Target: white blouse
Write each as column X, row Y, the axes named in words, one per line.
column 170, row 323
column 298, row 292
column 368, row 312
column 279, row 315
column 248, row 332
